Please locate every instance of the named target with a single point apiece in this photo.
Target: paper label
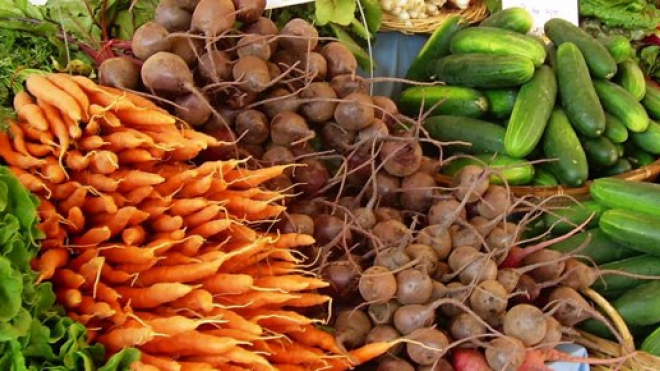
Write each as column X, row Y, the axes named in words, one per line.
column 543, row 11
column 272, row 4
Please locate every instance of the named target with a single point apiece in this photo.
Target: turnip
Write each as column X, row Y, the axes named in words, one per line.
column 395, row 364
column 172, row 16
column 348, row 84
column 424, row 257
column 526, row 323
column 501, row 238
column 417, row 191
column 495, row 203
column 355, row 112
column 401, row 158
column 213, row 17
column 409, row 318
column 528, row 288
column 462, row 256
column 377, row 284
column 340, row 59
column 489, row 298
column 252, row 73
column 383, row 313
column 263, row 26
column 248, row 11
column 288, row 128
column 579, row 275
column 445, row 212
column 192, row 109
column 392, row 258
column 278, row 155
column 387, row 187
column 352, row 328
column 482, row 225
column 149, row 39
column 280, row 100
column 385, row 213
column 429, row 345
column 471, row 183
column 319, row 102
column 254, row 45
column 466, row 326
column 298, row 37
column 337, row 138
column 413, row 287
column 505, row 354
column 439, row 291
column 365, row 218
column 569, row 306
column 391, row 233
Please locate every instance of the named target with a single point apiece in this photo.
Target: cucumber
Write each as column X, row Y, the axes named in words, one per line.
column 637, row 156
column 564, row 220
column 651, row 344
column 514, row 171
column 635, row 230
column 631, row 78
column 619, row 47
column 601, row 63
column 531, row 112
column 620, row 103
column 620, row 149
column 437, row 46
column 544, row 178
column 484, row 136
column 651, row 100
column 650, row 139
column 598, row 248
column 560, row 142
column 483, row 70
column 610, row 284
column 497, row 41
column 615, row 130
column 639, row 306
column 623, row 194
column 514, row 19
column 601, row 152
column 596, row 327
column 500, row 101
column 447, row 100
column 621, row 166
column 578, row 95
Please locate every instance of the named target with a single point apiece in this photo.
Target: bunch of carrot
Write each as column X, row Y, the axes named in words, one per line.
column 152, row 252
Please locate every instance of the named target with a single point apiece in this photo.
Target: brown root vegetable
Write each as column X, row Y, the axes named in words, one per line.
column 340, row 59
column 505, row 354
column 240, row 99
column 466, row 326
column 311, row 177
column 429, row 346
column 252, row 73
column 311, row 207
column 215, row 66
column 528, row 288
column 328, row 228
column 192, row 109
column 248, row 11
column 409, row 318
column 188, row 48
column 425, row 257
column 252, row 127
column 168, row 73
column 392, row 258
column 188, row 5
column 552, row 265
column 479, row 270
column 553, row 332
column 348, row 84
column 355, row 112
column 579, row 275
column 297, row 223
column 365, row 218
column 471, row 183
column 508, row 278
column 386, row 110
column 417, row 191
column 172, row 16
column 495, row 203
column 496, row 321
column 429, row 165
column 280, row 100
column 289, row 127
column 394, row 364
column 446, row 212
column 387, row 188
column 464, row 236
column 385, row 213
column 119, row 72
column 281, row 183
column 438, row 238
column 265, row 27
column 375, row 133
column 279, row 155
column 213, row 17
column 315, row 66
column 352, row 328
column 385, row 333
column 336, row 137
column 319, row 102
column 391, row 233
column 413, row 287
column 442, row 272
column 571, row 307
column 383, row 313
column 149, row 39
column 439, row 291
column 482, row 225
column 343, row 277
column 401, row 158
column 461, row 256
column 525, row 323
column 299, row 37
column 458, row 292
column 501, row 238
column 489, row 298
column 377, row 284
column 255, row 45
column 441, row 365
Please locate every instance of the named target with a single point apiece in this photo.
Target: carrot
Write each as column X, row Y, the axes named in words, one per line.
column 202, row 216
column 145, row 116
column 175, row 258
column 289, row 367
column 127, row 254
column 116, row 222
column 126, row 337
column 43, row 137
column 243, row 233
column 256, row 299
column 236, row 321
column 75, row 220
column 153, row 296
column 107, row 100
column 176, row 325
column 198, row 300
column 187, row 206
column 109, row 120
column 85, row 256
column 70, row 298
column 64, row 190
column 130, row 179
column 196, row 366
column 133, row 156
column 137, row 100
column 270, row 269
column 191, row 246
column 214, row 360
column 135, row 268
column 75, row 199
column 243, row 179
column 62, row 81
column 66, row 278
column 100, row 182
column 52, row 171
column 172, row 184
column 283, row 352
column 225, row 284
column 72, row 126
column 167, row 223
column 155, row 206
column 113, row 276
column 93, row 236
column 92, row 142
column 139, row 366
column 98, row 205
column 186, row 152
column 248, row 358
column 182, row 273
column 96, row 309
column 314, row 337
column 212, row 228
column 179, row 234
column 291, row 240
column 122, row 140
column 138, row 195
column 270, row 318
column 197, row 187
column 50, row 261
column 191, row 343
column 363, row 354
column 163, row 364
column 76, row 160
column 15, row 158
column 290, row 283
column 29, row 181
column 38, row 149
column 200, row 137
column 43, row 89
column 18, row 138
column 104, row 162
column 135, row 235
column 106, row 293
column 29, row 112
column 91, row 271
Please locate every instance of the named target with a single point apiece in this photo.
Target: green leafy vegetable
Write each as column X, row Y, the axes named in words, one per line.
column 626, row 14
column 340, row 12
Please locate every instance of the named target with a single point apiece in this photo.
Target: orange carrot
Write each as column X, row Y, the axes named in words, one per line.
column 186, row 152
column 29, row 181
column 116, row 222
column 92, row 142
column 212, row 228
column 15, row 158
column 187, row 206
column 162, row 363
column 100, row 182
column 182, row 273
column 75, row 199
column 145, row 116
column 225, row 284
column 135, row 235
column 93, row 236
column 29, row 112
column 191, row 246
column 233, row 333
column 138, row 195
column 291, row 240
column 268, row 318
column 270, row 269
column 248, row 358
column 140, row 366
column 198, row 300
column 66, row 278
column 172, row 184
column 76, row 160
column 236, row 321
column 98, row 205
column 104, row 162
column 256, row 299
column 43, row 89
column 283, row 352
column 175, row 258
column 43, row 137
column 62, row 81
column 135, row 156
column 18, row 138
column 191, row 343
column 126, row 337
column 312, row 336
column 362, row 355
column 130, row 179
column 137, row 100
column 52, row 171
column 122, row 140
column 109, row 120
column 64, row 190
column 135, row 268
column 214, row 360
column 202, row 216
column 113, row 276
column 176, row 325
column 97, row 309
column 197, row 187
column 196, row 366
column 155, row 206
column 75, row 132
column 50, row 261
column 127, row 254
column 243, row 179
column 76, row 220
column 39, row 150
column 106, row 293
column 83, row 257
column 167, row 223
column 290, row 283
column 200, row 137
column 289, row 367
column 70, row 298
column 153, row 296
column 308, row 300
column 139, row 217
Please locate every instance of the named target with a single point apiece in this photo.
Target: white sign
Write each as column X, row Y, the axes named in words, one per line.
column 543, row 11
column 272, row 4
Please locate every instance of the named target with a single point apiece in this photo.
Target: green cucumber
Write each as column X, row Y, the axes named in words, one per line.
column 437, row 46
column 497, row 41
column 544, row 178
column 513, row 19
column 651, row 100
column 619, row 47
column 650, row 139
column 610, row 284
column 483, row 70
column 514, row 171
column 500, row 101
column 447, row 100
column 596, row 327
column 638, row 156
column 620, row 103
column 631, row 78
column 639, row 306
column 651, row 344
column 600, row 61
column 484, row 136
column 621, row 166
column 561, row 143
column 598, row 248
column 615, row 130
column 578, row 95
column 623, row 194
column 531, row 112
column 564, row 220
column 635, row 230
column 601, row 152
column 620, row 149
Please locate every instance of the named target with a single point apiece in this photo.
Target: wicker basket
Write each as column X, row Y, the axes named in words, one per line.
column 606, row 349
column 646, row 173
column 475, row 13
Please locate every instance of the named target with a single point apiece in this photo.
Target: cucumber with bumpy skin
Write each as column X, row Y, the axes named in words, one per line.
column 619, row 47
column 631, row 78
column 600, row 151
column 622, row 194
column 500, row 101
column 497, row 41
column 482, row 70
column 647, row 265
column 635, row 230
column 619, row 102
column 615, row 130
column 444, row 99
column 484, row 136
column 650, row 139
column 651, row 99
column 560, row 143
column 513, row 19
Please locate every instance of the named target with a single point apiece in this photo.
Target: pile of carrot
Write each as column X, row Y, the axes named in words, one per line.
column 149, row 251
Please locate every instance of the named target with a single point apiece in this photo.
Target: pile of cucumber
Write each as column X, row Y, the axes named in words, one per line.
column 581, row 102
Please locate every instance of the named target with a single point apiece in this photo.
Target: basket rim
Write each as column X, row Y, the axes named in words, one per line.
column 476, row 12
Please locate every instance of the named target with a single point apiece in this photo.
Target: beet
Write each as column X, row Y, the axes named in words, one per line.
column 377, row 284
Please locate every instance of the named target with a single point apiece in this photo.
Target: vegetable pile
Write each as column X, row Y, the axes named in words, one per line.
column 582, row 111
column 151, row 252
column 631, row 18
